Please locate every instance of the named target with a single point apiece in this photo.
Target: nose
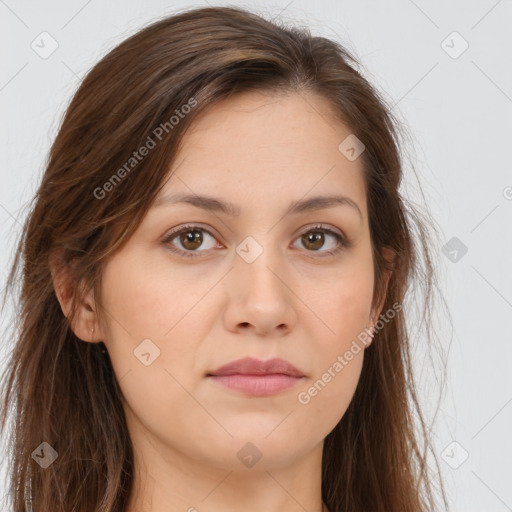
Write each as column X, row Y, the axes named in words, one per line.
column 261, row 300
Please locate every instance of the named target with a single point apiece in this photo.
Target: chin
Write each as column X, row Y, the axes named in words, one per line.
column 251, row 449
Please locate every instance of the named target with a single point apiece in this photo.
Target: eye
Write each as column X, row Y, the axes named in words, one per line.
column 314, row 239
column 190, row 238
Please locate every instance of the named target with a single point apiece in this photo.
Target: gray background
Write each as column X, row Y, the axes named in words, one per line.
column 457, row 107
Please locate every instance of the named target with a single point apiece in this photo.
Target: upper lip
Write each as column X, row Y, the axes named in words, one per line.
column 251, row 366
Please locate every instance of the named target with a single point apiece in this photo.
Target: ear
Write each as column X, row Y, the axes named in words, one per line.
column 389, row 256
column 84, row 324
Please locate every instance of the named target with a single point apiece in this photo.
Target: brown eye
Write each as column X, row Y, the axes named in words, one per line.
column 316, row 239
column 191, row 239
column 313, row 240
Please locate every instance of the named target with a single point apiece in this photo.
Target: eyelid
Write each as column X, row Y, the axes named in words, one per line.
column 320, row 226
column 343, row 241
column 166, row 239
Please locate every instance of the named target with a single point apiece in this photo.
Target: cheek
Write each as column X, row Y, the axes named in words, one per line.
column 146, row 299
column 337, row 358
column 341, row 310
column 328, row 395
column 149, row 318
column 138, row 295
column 152, row 331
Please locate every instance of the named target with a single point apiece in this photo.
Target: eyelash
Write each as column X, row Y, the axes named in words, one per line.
column 343, row 242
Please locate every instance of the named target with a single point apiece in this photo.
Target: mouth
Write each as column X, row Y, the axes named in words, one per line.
column 257, row 378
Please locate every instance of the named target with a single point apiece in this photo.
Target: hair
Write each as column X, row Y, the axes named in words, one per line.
column 64, row 392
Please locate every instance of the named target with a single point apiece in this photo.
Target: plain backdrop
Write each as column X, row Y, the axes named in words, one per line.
column 446, row 68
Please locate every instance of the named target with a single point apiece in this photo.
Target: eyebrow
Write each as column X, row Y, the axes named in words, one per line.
column 212, row 204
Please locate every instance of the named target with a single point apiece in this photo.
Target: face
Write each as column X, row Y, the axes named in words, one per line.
column 196, row 288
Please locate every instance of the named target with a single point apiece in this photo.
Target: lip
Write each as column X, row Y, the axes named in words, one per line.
column 257, row 378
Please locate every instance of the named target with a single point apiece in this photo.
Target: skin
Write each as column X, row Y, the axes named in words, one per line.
column 261, row 152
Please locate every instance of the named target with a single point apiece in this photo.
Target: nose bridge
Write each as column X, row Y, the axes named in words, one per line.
column 257, row 264
column 258, row 293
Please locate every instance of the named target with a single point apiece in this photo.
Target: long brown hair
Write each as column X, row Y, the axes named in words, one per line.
column 63, row 392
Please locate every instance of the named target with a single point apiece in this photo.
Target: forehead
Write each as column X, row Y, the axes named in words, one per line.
column 267, row 143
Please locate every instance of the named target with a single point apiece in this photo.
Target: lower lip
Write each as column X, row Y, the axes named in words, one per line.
column 257, row 385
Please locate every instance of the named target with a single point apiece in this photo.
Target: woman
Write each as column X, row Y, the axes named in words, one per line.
column 214, row 272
